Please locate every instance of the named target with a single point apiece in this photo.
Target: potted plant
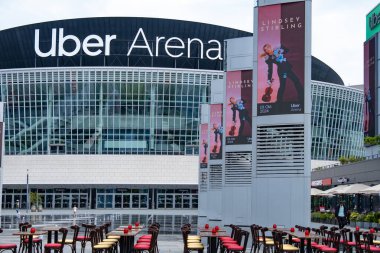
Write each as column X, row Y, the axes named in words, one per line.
column 35, row 200
column 377, row 218
column 370, row 220
column 315, row 216
column 360, row 220
column 353, row 218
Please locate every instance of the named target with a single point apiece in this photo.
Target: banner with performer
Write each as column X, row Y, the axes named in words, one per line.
column 203, row 145
column 281, row 59
column 216, row 132
column 370, row 87
column 239, row 107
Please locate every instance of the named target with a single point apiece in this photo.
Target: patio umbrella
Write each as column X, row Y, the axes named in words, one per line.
column 334, row 189
column 371, row 190
column 315, row 192
column 352, row 189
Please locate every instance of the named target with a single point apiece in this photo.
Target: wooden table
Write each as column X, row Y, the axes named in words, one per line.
column 202, row 229
column 126, row 239
column 51, row 229
column 212, row 240
column 302, row 237
column 279, row 229
column 30, row 237
column 133, row 227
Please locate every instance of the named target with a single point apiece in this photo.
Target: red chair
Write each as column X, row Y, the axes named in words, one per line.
column 241, row 246
column 7, row 246
column 332, row 243
column 58, row 247
column 24, row 240
column 235, row 238
column 347, row 245
column 147, row 246
column 368, row 243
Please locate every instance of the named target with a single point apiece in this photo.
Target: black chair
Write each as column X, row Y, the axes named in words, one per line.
column 72, row 242
column 83, row 239
column 57, row 247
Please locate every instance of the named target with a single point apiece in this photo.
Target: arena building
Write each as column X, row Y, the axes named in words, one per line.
column 104, row 112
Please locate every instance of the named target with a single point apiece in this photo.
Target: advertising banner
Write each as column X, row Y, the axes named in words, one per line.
column 281, row 59
column 369, row 87
column 239, row 107
column 373, row 22
column 203, row 146
column 216, row 131
column 1, row 143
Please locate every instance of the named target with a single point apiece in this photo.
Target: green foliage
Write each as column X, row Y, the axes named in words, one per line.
column 354, row 216
column 316, row 215
column 351, row 159
column 377, row 216
column 370, row 217
column 361, row 217
column 35, row 198
column 343, row 160
column 370, row 141
column 330, row 216
column 325, row 216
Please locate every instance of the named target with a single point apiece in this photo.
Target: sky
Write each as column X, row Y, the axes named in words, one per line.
column 338, row 26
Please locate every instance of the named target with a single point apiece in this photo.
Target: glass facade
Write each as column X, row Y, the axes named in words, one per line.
column 336, row 121
column 103, row 111
column 101, row 198
column 145, row 111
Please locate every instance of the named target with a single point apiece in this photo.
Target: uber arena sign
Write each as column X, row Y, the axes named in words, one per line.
column 94, row 45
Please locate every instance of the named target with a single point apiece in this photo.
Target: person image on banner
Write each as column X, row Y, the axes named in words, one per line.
column 240, row 106
column 205, row 145
column 284, row 71
column 218, row 136
column 368, row 110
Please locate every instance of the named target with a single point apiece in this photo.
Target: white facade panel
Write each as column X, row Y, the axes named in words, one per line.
column 217, row 87
column 239, row 53
column 102, row 169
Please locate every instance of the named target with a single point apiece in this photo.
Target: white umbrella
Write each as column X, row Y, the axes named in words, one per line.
column 334, row 189
column 315, row 192
column 370, row 190
column 352, row 189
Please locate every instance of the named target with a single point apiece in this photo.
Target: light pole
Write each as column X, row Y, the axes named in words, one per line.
column 27, row 191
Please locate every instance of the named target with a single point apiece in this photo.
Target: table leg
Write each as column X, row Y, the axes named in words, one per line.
column 213, row 244
column 122, row 244
column 130, row 242
column 49, row 237
column 308, row 246
column 302, row 245
column 30, row 244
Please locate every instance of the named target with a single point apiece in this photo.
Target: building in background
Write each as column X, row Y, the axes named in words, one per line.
column 104, row 112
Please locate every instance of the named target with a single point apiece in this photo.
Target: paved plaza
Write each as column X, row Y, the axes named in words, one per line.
column 169, row 240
